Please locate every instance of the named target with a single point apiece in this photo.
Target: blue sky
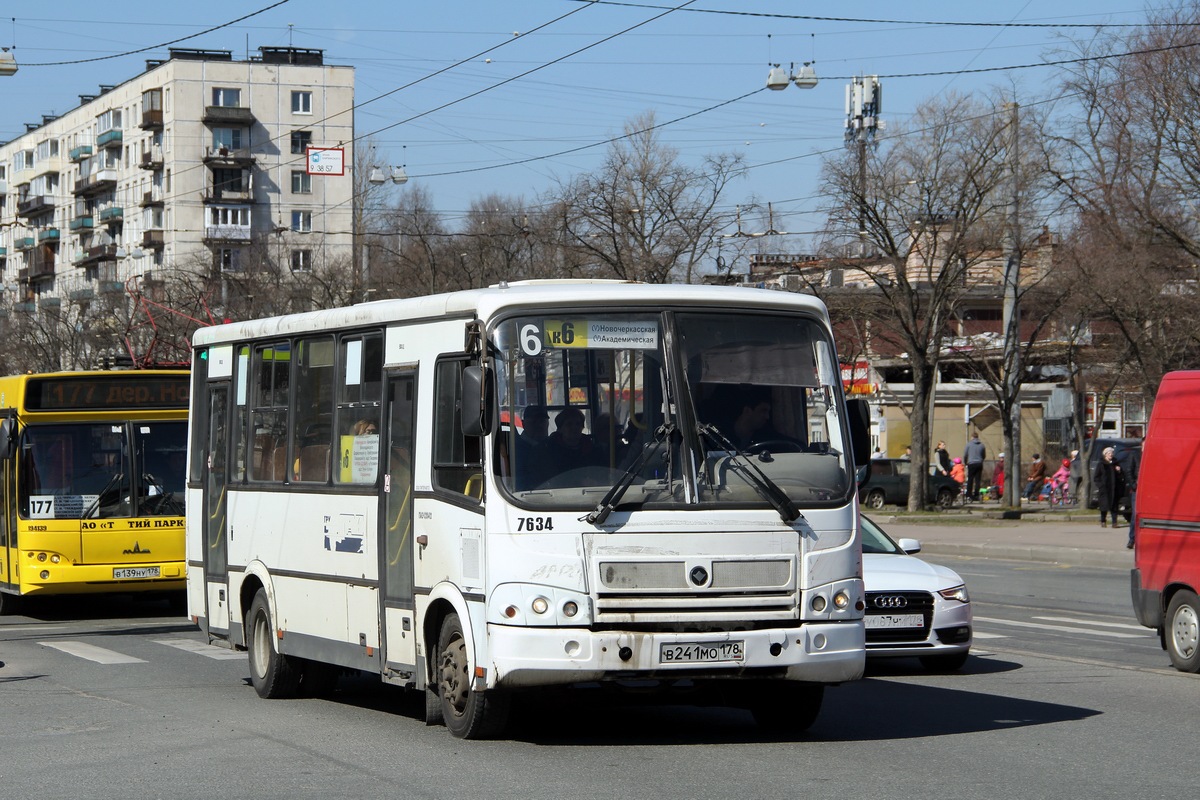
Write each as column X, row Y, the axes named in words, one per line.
column 680, row 64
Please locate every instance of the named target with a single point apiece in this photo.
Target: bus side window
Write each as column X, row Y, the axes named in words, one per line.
column 457, row 458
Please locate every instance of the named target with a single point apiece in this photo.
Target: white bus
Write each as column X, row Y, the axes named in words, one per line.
column 531, row 485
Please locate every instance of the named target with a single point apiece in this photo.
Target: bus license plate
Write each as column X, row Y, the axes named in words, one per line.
column 125, row 573
column 702, row 653
column 894, row 621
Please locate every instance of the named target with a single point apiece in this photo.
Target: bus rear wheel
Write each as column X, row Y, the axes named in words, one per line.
column 273, row 674
column 9, row 603
column 468, row 714
column 784, row 707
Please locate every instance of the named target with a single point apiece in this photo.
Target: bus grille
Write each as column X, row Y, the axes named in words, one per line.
column 716, row 590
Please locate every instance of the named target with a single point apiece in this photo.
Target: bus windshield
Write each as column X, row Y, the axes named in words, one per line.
column 102, row 470
column 685, row 407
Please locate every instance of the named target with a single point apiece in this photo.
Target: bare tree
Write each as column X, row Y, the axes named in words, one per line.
column 643, row 215
column 930, row 209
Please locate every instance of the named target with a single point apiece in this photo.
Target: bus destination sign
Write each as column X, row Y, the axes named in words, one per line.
column 107, row 392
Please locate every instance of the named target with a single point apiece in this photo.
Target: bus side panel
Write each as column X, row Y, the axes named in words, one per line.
column 320, row 553
column 1167, row 505
column 194, row 552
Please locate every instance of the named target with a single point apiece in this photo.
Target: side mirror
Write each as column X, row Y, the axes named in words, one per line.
column 858, row 417
column 476, row 402
column 8, row 435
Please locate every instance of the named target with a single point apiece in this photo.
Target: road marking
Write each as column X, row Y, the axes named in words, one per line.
column 1063, row 628
column 92, row 653
column 982, row 635
column 1122, row 625
column 200, row 648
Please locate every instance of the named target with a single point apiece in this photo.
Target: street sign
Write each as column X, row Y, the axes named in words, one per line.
column 326, row 160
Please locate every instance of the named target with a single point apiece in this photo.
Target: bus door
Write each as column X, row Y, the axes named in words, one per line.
column 396, row 521
column 8, row 518
column 215, row 519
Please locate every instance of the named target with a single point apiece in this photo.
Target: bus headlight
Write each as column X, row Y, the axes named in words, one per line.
column 41, row 556
column 841, row 600
column 532, row 604
column 570, row 608
column 540, row 605
column 818, row 603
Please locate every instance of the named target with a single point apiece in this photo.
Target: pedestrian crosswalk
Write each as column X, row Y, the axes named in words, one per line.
column 105, row 655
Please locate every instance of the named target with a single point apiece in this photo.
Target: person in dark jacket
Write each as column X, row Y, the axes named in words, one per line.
column 1035, row 478
column 1109, row 488
column 942, row 456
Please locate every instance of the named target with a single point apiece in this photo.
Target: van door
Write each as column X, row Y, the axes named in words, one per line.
column 395, row 520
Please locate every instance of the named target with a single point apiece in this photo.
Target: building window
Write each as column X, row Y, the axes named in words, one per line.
column 301, row 260
column 228, row 138
column 229, row 98
column 301, row 102
column 300, row 142
column 302, row 221
column 230, row 259
column 109, row 121
column 301, row 182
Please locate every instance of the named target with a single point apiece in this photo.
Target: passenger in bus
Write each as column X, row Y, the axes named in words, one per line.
column 530, row 468
column 569, row 447
column 365, row 427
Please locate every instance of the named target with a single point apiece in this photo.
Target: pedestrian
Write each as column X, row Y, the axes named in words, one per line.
column 1108, row 481
column 877, row 454
column 1035, row 478
column 907, row 452
column 998, row 477
column 942, row 458
column 973, row 457
column 959, row 473
column 1060, row 483
column 1076, row 475
column 1133, row 465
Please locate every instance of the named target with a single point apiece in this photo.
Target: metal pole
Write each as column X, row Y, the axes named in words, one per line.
column 1012, row 318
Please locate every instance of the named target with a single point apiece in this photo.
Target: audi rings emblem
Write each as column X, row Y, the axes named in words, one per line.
column 890, row 601
column 699, row 576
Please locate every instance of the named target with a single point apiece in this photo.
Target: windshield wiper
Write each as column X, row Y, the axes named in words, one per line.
column 113, row 483
column 766, row 488
column 609, row 503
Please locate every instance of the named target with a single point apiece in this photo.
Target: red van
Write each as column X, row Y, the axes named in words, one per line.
column 1166, row 573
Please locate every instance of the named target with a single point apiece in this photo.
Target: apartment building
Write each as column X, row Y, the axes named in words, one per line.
column 196, row 164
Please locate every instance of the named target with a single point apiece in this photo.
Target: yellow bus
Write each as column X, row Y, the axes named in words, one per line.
column 92, row 470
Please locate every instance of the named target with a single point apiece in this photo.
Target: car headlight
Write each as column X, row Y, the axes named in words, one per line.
column 958, row 593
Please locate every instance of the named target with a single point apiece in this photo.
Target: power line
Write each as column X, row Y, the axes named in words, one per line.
column 158, row 46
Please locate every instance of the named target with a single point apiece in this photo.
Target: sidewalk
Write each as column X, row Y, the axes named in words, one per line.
column 1041, row 534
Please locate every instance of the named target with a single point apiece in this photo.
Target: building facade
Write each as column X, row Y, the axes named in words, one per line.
column 190, row 166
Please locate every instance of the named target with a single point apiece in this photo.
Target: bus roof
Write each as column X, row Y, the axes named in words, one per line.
column 486, row 303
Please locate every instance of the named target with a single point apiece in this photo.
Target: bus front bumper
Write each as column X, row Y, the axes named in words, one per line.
column 819, row 652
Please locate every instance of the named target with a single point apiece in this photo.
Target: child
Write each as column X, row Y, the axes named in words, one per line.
column 1060, row 481
column 958, row 472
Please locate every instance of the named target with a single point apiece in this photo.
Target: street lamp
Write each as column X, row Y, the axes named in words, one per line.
column 8, row 62
column 378, row 178
column 804, row 78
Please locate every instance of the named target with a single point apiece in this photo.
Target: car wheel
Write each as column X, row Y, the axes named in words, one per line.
column 946, row 663
column 874, row 499
column 1183, row 631
column 945, row 498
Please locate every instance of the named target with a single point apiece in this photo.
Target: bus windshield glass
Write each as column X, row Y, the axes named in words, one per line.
column 102, row 470
column 686, row 408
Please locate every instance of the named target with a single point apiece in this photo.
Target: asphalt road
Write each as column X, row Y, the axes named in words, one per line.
column 127, row 701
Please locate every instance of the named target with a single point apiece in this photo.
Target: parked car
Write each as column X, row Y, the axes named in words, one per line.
column 1123, row 451
column 888, row 480
column 914, row 608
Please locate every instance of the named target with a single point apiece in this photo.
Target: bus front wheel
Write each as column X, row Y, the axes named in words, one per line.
column 468, row 714
column 1182, row 632
column 273, row 674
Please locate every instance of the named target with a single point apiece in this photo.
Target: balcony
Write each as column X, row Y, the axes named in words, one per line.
column 226, row 233
column 97, row 254
column 24, row 308
column 82, row 295
column 154, row 197
column 224, row 157
column 228, row 116
column 152, row 120
column 109, row 139
column 82, row 223
column 112, row 214
column 24, row 243
column 154, row 239
column 80, row 153
column 50, row 303
column 3, row 187
column 103, row 180
column 3, row 252
column 35, row 205
column 50, row 235
column 152, row 158
column 42, row 265
column 226, row 195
